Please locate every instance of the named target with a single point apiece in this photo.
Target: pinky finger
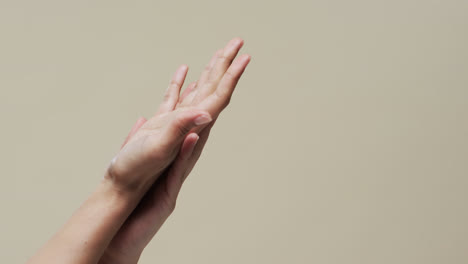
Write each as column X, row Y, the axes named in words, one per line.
column 176, row 173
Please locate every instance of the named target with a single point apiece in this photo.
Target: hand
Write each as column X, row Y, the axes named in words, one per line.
column 154, row 146
column 212, row 94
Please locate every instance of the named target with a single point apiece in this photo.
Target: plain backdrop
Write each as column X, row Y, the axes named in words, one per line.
column 346, row 141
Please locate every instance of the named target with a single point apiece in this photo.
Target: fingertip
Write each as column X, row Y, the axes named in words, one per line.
column 247, row 57
column 238, row 41
column 178, row 78
column 192, row 85
column 181, row 73
column 183, row 67
column 243, row 60
column 235, row 44
column 189, row 145
column 194, row 137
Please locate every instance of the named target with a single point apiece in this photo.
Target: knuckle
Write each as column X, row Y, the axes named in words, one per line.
column 231, row 75
column 174, row 83
column 207, row 68
column 227, row 101
column 223, row 57
column 211, row 82
column 192, row 85
column 167, row 96
column 169, row 203
column 223, row 98
column 223, row 94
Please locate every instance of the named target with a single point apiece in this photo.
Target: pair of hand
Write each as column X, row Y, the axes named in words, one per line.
column 160, row 152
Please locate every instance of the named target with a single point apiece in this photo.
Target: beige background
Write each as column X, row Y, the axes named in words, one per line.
column 345, row 142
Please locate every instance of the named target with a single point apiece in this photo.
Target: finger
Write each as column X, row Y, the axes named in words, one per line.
column 171, row 97
column 177, row 171
column 203, row 77
column 182, row 123
column 187, row 90
column 205, row 74
column 217, row 101
column 190, row 88
column 134, row 129
column 188, row 146
column 204, row 134
column 223, row 61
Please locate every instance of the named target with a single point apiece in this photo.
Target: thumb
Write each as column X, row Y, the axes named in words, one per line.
column 183, row 122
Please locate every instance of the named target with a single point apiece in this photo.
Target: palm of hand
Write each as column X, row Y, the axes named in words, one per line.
column 147, row 151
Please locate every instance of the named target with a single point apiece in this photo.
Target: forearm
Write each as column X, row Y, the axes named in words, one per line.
column 87, row 233
column 146, row 154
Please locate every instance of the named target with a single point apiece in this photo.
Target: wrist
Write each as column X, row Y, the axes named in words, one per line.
column 122, row 198
column 126, row 186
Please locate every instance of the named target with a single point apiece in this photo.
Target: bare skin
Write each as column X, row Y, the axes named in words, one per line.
column 139, row 190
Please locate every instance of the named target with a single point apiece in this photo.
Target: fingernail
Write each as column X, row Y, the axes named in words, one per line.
column 192, row 148
column 203, row 119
